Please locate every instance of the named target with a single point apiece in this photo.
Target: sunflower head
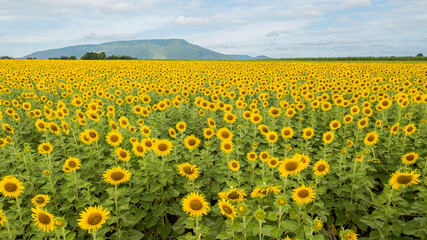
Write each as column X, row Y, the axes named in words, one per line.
column 303, row 194
column 410, row 158
column 403, row 179
column 40, row 200
column 2, row 218
column 162, row 147
column 43, row 220
column 11, row 187
column 191, row 142
column 227, row 209
column 92, row 218
column 189, row 171
column 195, row 205
column 234, row 165
column 116, row 175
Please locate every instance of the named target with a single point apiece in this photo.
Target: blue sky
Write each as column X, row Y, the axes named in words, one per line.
column 276, row 28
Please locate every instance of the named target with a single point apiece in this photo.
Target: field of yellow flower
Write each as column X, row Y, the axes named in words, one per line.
column 212, row 150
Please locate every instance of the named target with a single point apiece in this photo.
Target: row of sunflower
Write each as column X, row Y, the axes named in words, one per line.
column 213, row 150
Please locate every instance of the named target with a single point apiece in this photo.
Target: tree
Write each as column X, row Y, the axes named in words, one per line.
column 73, row 58
column 94, row 56
column 419, row 55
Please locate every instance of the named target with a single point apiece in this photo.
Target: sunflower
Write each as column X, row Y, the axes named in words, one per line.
column 65, row 127
column 224, row 134
column 117, row 175
column 227, row 146
column 189, row 171
column 195, row 205
column 271, row 136
column 321, row 168
column 92, row 134
column 53, row 128
column 145, row 130
column 251, row 156
column 308, row 133
column 8, row 128
column 40, row 200
column 43, row 219
column 256, row 118
column 264, row 156
column 41, row 125
column 263, row 129
column 229, row 117
column 317, row 225
column 265, row 191
column 208, row 133
column 147, row 143
column 410, row 158
column 3, row 219
column 403, row 179
column 335, row 124
column 122, row 154
column 45, row 148
column 273, row 162
column 394, row 128
column 260, row 214
column 211, row 123
column 348, row 234
column 290, row 166
column 227, row 209
column 114, row 138
column 191, row 142
column 124, row 122
column 362, row 123
column 11, row 187
column 234, row 195
column 163, row 147
column 172, row 132
column 181, row 126
column 138, row 149
column 71, row 164
column 348, row 119
column 328, row 137
column 287, row 132
column 234, row 165
column 92, row 218
column 371, row 138
column 290, row 112
column 409, row 129
column 303, row 194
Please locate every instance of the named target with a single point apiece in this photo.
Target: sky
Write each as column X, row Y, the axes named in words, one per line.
column 275, row 28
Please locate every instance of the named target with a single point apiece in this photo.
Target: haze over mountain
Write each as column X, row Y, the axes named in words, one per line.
column 143, row 49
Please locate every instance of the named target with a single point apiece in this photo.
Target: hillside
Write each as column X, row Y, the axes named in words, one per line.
column 144, row 49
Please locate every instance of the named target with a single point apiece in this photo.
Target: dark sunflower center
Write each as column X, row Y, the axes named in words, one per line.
column 371, row 138
column 291, row 166
column 163, row 147
column 43, row 218
column 40, row 200
column 54, row 128
column 287, row 132
column 252, row 156
column 225, row 134
column 272, row 137
column 234, row 165
column 273, row 162
column 41, row 125
column 148, row 144
column 188, row 170
column 328, row 137
column 410, row 157
column 139, row 148
column 117, row 176
column 11, row 187
column 321, row 168
column 335, row 125
column 114, row 138
column 308, row 133
column 404, row 179
column 264, row 129
column 123, row 154
column 233, row 195
column 94, row 219
column 256, row 118
column 192, row 142
column 46, row 148
column 230, row 117
column 227, row 209
column 275, row 112
column 92, row 134
column 72, row 164
column 409, row 129
column 195, row 204
column 303, row 193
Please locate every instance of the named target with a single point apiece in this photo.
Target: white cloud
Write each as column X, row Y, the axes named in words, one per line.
column 182, row 20
column 356, row 3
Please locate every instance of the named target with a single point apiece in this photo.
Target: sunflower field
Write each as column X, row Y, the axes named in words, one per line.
column 212, row 150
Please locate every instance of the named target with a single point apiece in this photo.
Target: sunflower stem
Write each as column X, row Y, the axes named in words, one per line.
column 94, row 235
column 117, row 209
column 260, row 230
column 197, row 230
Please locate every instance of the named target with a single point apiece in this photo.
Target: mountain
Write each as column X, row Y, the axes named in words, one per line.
column 143, row 49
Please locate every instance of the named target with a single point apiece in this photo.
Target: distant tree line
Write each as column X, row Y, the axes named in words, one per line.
column 6, row 57
column 102, row 56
